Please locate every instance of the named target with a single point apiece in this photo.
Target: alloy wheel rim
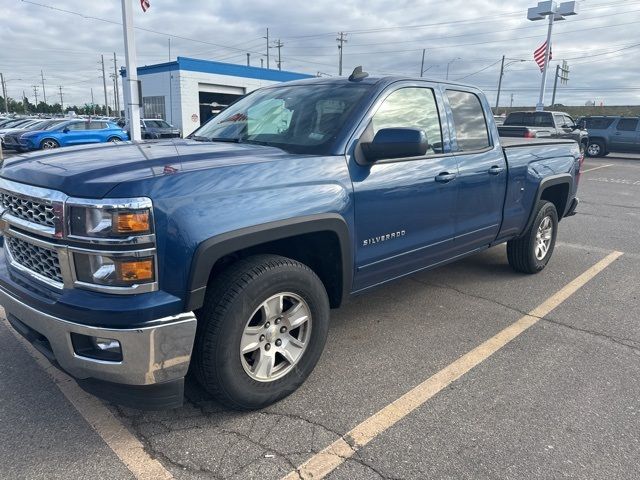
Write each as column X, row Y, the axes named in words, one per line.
column 594, row 149
column 275, row 337
column 49, row 144
column 543, row 238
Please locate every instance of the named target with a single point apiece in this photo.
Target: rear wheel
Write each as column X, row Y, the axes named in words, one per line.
column 48, row 144
column 531, row 252
column 596, row 148
column 115, row 140
column 261, row 331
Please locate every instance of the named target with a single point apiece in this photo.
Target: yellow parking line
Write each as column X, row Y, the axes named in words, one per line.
column 597, row 168
column 338, row 452
column 125, row 445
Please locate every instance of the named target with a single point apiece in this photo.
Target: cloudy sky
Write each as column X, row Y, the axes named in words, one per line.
column 65, row 41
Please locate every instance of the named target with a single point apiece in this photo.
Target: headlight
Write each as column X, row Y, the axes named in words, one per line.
column 114, row 271
column 109, row 222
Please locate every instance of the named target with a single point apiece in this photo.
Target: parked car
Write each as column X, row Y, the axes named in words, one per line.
column 73, row 132
column 13, row 127
column 12, row 139
column 612, row 134
column 158, row 128
column 543, row 125
column 226, row 252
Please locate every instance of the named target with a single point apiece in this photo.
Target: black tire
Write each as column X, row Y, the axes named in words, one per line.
column 114, row 140
column 596, row 148
column 229, row 304
column 48, row 144
column 521, row 252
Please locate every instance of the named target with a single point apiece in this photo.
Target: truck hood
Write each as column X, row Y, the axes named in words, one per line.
column 94, row 170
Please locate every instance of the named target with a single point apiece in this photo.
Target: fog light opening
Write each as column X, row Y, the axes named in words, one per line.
column 97, row 348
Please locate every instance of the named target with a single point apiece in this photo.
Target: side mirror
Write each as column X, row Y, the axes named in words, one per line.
column 396, row 143
column 65, row 130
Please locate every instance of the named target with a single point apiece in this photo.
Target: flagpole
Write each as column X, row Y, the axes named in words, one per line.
column 131, row 81
column 540, row 105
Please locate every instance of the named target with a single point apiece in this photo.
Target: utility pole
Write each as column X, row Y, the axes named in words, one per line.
column 169, row 48
column 267, row 37
column 115, row 80
column 35, row 94
column 44, row 93
column 342, row 39
column 500, row 83
column 554, row 12
column 279, row 45
column 248, row 59
column 104, row 84
column 562, row 72
column 555, row 86
column 24, row 101
column 4, row 94
column 61, row 100
column 93, row 104
column 131, row 85
column 422, row 63
column 511, row 104
column 262, row 63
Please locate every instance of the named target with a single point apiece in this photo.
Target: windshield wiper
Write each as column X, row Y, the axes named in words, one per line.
column 199, row 138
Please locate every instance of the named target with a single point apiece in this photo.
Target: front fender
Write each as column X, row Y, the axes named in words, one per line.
column 213, row 249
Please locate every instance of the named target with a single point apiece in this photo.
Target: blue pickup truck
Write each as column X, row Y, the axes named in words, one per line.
column 129, row 265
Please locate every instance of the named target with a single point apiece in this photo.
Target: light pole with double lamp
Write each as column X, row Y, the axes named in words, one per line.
column 555, row 13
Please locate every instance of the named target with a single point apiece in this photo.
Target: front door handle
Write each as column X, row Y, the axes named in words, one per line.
column 496, row 170
column 445, row 177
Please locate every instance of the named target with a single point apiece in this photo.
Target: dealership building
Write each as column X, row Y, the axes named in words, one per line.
column 187, row 92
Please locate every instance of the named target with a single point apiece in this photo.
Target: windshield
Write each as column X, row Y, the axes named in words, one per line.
column 299, row 119
column 157, row 124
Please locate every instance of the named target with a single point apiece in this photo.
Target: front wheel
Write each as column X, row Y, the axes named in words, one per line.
column 531, row 252
column 48, row 144
column 261, row 331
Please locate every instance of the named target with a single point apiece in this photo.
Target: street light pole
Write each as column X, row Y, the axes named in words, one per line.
column 457, row 58
column 554, row 12
column 543, row 85
column 422, row 64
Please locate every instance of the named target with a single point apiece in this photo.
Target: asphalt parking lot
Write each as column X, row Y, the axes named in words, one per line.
column 557, row 399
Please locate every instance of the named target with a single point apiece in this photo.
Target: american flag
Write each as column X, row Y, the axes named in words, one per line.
column 538, row 55
column 145, row 5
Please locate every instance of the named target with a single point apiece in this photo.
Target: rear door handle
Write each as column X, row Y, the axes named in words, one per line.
column 445, row 177
column 496, row 170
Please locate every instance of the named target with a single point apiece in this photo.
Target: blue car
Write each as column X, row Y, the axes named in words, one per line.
column 73, row 132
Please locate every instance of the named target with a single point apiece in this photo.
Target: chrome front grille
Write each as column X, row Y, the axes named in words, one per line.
column 28, row 209
column 39, row 260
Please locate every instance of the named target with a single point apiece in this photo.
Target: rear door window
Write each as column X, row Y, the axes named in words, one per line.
column 627, row 124
column 469, row 121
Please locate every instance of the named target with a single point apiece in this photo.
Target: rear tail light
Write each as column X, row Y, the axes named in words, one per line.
column 529, row 134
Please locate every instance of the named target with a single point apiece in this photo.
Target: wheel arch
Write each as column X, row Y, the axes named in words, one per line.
column 555, row 189
column 320, row 241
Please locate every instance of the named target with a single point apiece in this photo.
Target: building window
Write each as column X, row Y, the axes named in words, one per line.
column 153, row 107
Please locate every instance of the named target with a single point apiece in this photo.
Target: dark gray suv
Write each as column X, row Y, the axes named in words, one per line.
column 612, row 134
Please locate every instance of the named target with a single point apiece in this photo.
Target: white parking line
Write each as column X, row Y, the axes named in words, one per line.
column 597, row 168
column 125, row 445
column 327, row 460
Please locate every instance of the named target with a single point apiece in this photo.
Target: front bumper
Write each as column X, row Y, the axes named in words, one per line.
column 154, row 359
